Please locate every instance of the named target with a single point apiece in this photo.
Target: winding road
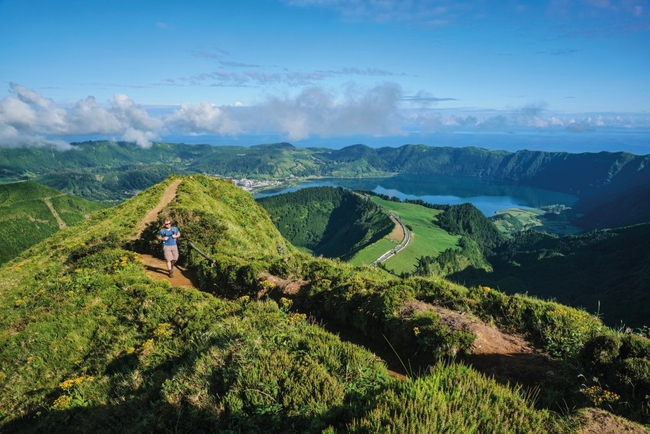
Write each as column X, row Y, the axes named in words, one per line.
column 392, row 252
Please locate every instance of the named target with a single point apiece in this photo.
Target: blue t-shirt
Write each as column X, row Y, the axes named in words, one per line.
column 164, row 232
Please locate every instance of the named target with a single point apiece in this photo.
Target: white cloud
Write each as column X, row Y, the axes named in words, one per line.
column 316, row 111
column 29, row 118
column 203, row 118
column 141, row 138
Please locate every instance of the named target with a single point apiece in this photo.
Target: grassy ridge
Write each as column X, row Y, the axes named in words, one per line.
column 332, row 222
column 89, row 342
column 25, row 218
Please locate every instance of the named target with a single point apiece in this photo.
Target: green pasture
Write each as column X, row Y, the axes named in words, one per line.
column 514, row 220
column 371, row 253
column 427, row 239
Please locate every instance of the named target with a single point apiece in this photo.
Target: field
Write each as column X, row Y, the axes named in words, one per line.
column 426, row 238
column 514, row 220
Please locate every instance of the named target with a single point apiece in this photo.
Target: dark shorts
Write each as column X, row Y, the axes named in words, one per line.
column 171, row 253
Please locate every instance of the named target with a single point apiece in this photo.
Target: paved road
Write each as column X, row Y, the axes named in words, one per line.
column 392, row 252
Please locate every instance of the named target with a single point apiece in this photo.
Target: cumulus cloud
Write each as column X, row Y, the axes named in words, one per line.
column 28, row 118
column 203, row 118
column 316, row 111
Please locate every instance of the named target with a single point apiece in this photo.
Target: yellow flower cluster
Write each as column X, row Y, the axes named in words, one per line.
column 296, row 317
column 62, row 402
column 416, row 331
column 19, row 301
column 68, row 384
column 130, row 350
column 286, row 303
column 164, row 329
column 244, row 298
column 486, row 288
column 147, row 347
column 597, row 395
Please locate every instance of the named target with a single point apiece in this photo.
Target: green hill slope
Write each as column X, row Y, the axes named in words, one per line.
column 327, row 221
column 30, row 212
column 605, row 271
column 89, row 342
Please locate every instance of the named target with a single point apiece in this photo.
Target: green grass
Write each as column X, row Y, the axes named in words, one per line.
column 25, row 219
column 427, row 239
column 371, row 253
column 512, row 221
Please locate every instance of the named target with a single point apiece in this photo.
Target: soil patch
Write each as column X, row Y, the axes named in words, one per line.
column 598, row 421
column 397, row 234
column 281, row 287
column 157, row 269
column 507, row 357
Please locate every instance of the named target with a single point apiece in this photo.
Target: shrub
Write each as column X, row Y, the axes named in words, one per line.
column 635, row 346
column 599, row 353
column 632, row 377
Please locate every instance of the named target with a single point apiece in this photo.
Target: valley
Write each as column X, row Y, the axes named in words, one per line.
column 291, row 269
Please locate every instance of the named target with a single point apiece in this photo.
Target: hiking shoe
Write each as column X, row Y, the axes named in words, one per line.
column 171, row 273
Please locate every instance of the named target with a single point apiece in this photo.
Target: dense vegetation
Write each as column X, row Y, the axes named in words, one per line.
column 26, row 219
column 603, row 271
column 327, row 221
column 89, row 342
column 604, row 182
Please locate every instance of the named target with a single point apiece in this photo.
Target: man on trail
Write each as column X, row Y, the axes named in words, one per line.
column 168, row 235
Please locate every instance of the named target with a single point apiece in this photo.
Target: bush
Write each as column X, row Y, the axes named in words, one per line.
column 599, row 353
column 632, row 377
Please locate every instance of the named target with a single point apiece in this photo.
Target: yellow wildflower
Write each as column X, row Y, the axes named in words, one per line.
column 62, row 402
column 164, row 329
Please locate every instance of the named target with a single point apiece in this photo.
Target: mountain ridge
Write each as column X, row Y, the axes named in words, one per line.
column 87, row 337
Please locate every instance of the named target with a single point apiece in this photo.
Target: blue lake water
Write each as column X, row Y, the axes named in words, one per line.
column 487, row 195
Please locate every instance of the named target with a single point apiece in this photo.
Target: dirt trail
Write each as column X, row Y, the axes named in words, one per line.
column 506, row 357
column 155, row 267
column 56, row 215
column 167, row 197
column 157, row 270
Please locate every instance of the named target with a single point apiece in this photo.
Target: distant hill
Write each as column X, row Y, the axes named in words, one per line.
column 30, row 212
column 604, row 182
column 327, row 221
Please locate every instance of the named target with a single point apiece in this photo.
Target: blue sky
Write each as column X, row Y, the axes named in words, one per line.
column 325, row 71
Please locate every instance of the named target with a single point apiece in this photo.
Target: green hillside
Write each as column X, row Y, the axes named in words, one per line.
column 603, row 271
column 26, row 217
column 89, row 342
column 604, row 182
column 327, row 221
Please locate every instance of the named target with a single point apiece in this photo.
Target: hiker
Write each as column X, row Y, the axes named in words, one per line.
column 168, row 235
